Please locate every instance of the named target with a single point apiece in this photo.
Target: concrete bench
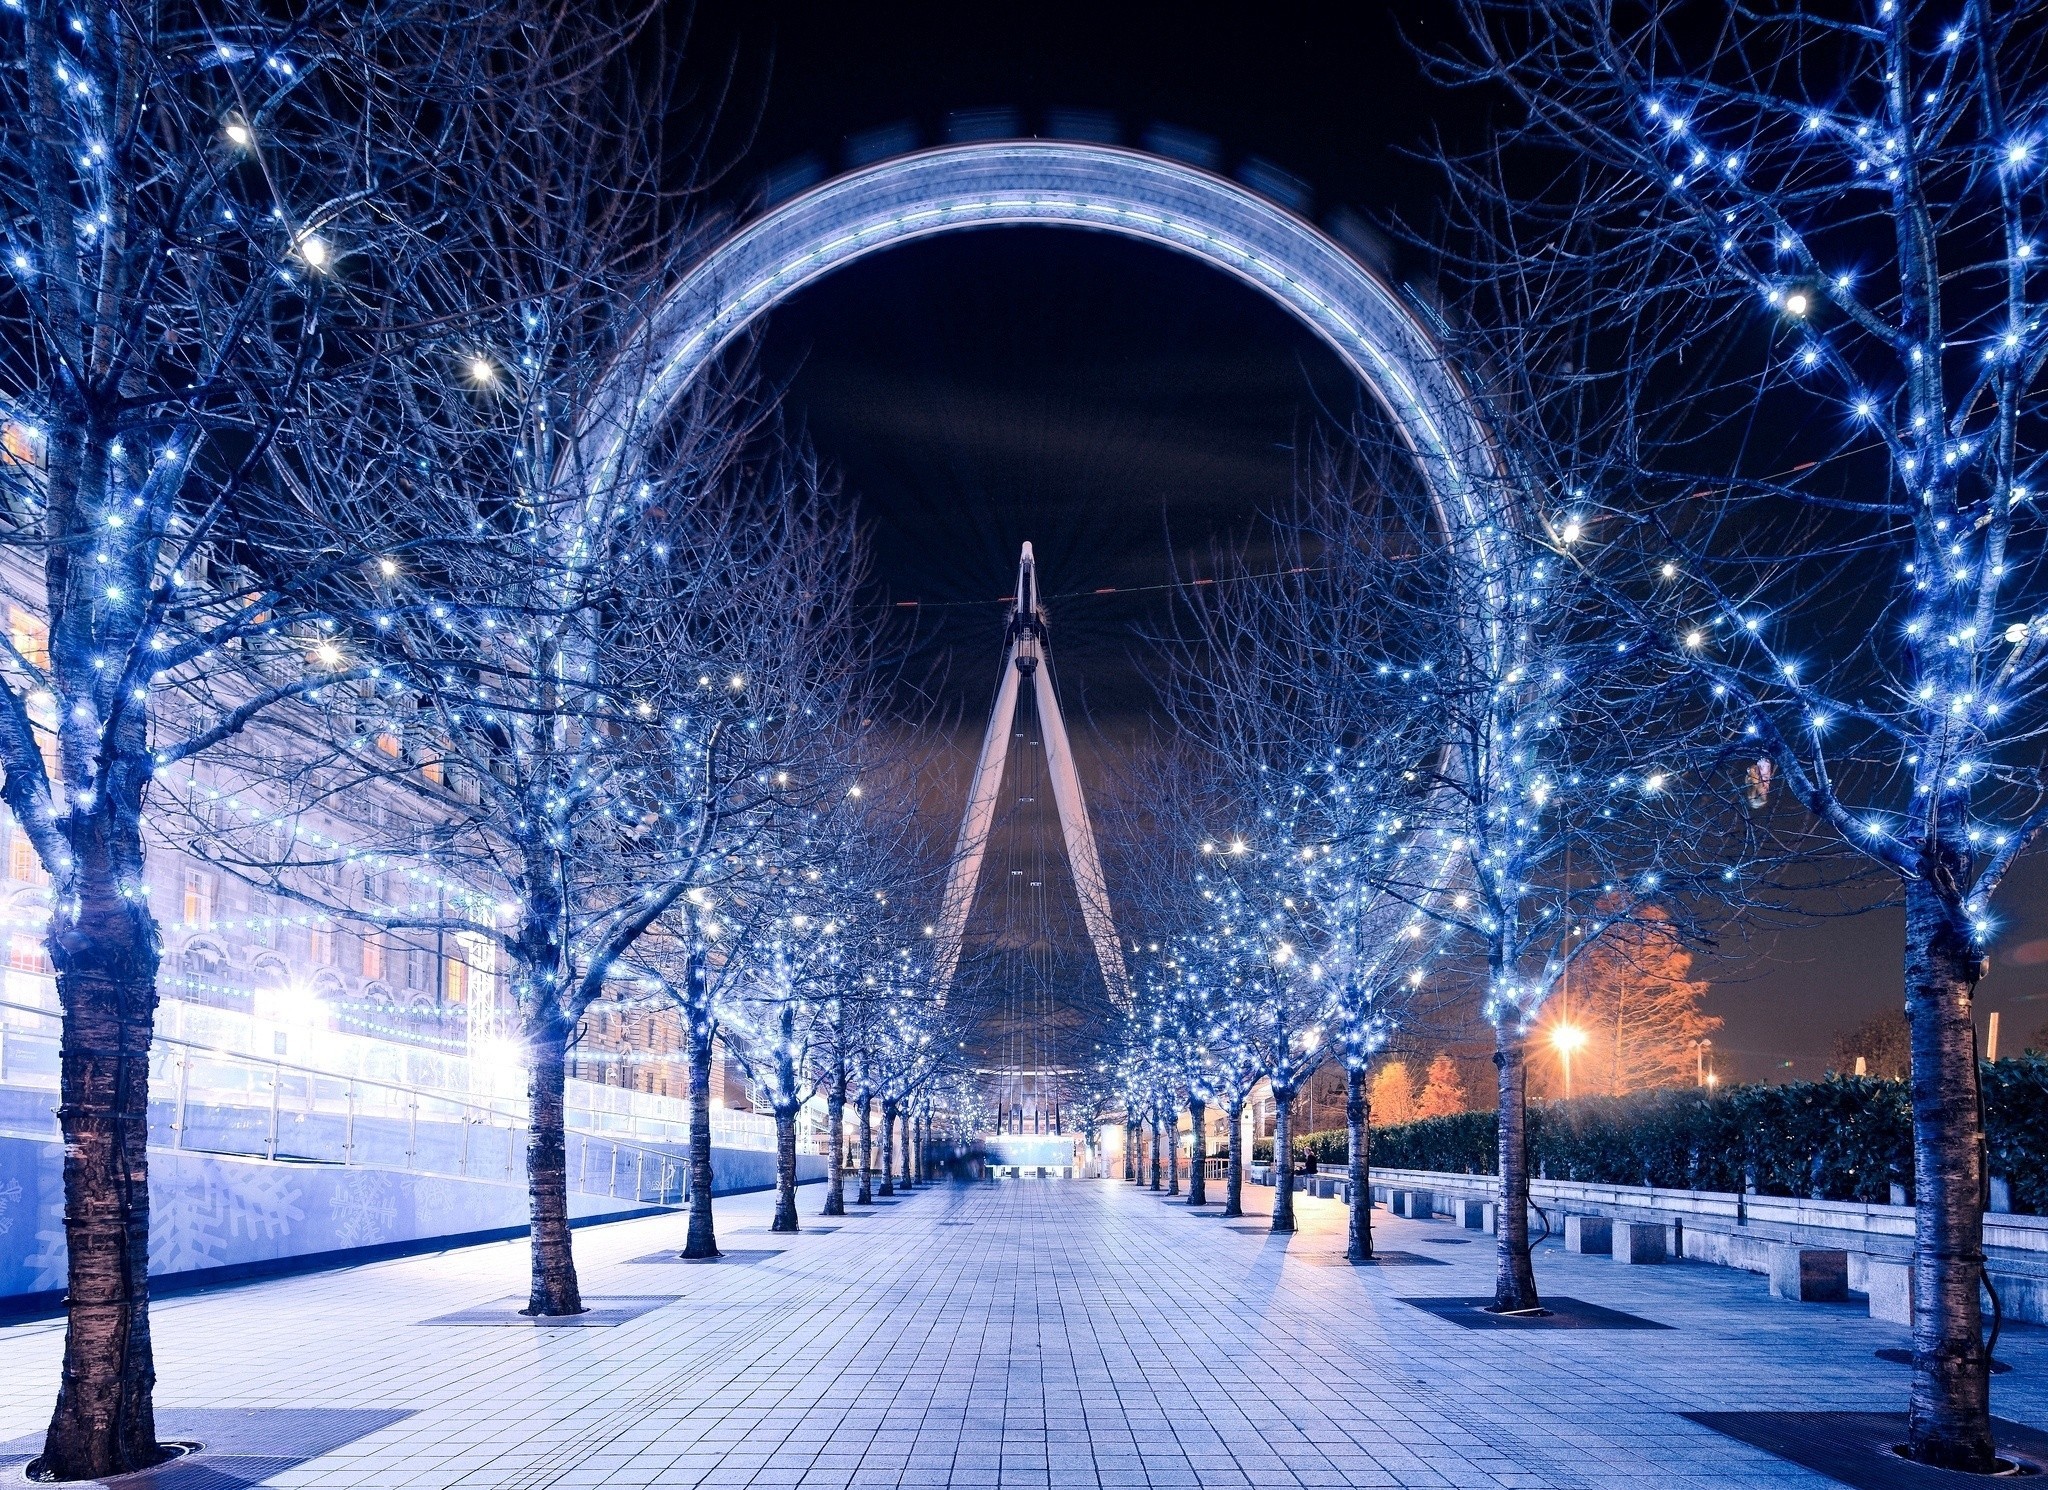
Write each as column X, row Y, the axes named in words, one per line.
column 1591, row 1236
column 1809, row 1274
column 1641, row 1241
column 1474, row 1215
column 1889, row 1285
column 1416, row 1205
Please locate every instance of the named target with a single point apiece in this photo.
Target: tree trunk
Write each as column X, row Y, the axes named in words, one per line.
column 835, row 1128
column 1358, row 1138
column 1950, row 1406
column 1198, row 1179
column 1156, row 1159
column 1172, row 1153
column 864, row 1193
column 1233, row 1184
column 785, row 1170
column 553, row 1290
column 105, row 1422
column 903, row 1117
column 1283, row 1159
column 1514, row 1284
column 1130, row 1150
column 786, row 1105
column 888, row 1145
column 702, row 1237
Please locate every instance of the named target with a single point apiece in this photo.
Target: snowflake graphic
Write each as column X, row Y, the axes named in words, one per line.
column 364, row 1209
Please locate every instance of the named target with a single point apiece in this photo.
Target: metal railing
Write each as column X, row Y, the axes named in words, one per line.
column 205, row 1099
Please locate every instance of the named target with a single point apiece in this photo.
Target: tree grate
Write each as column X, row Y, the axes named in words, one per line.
column 236, row 1447
column 598, row 1314
column 1559, row 1313
column 1856, row 1448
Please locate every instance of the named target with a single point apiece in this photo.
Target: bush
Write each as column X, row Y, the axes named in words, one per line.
column 1846, row 1138
column 1331, row 1146
column 1262, row 1151
column 2016, row 1128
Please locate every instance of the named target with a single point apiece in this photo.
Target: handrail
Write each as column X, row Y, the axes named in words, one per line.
column 446, row 1094
column 387, row 1099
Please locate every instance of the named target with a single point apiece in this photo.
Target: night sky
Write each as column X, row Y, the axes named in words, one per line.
column 1106, row 400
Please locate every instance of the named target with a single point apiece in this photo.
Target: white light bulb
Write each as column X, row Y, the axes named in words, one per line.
column 313, row 250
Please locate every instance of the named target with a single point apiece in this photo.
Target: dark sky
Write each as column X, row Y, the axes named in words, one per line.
column 1093, row 395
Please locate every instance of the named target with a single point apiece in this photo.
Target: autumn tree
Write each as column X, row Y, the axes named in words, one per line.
column 1393, row 1094
column 1443, row 1093
column 1635, row 1009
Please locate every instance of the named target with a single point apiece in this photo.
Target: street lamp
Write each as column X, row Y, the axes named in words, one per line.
column 1564, row 1039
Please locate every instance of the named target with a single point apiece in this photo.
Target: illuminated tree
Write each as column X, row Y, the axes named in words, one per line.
column 1765, row 296
column 199, row 206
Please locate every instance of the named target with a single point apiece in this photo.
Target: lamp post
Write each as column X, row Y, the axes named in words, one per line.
column 1565, row 1038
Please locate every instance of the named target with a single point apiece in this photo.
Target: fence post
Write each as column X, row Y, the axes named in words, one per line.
column 184, row 1084
column 276, row 1092
column 412, row 1128
column 640, row 1177
column 462, row 1163
column 348, row 1125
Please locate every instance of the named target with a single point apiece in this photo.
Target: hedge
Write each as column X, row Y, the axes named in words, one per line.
column 1846, row 1138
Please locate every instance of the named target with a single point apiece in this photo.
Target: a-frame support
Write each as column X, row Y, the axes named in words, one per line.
column 1026, row 657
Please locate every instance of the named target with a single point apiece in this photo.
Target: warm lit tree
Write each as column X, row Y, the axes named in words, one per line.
column 1443, row 1093
column 1392, row 1094
column 1635, row 1009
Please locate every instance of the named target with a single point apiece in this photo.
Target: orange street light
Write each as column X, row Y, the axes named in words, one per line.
column 1564, row 1039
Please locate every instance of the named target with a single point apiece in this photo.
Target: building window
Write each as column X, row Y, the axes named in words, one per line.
column 198, row 898
column 455, row 980
column 373, row 956
column 30, row 635
column 26, row 954
column 320, row 943
column 22, row 444
column 23, row 863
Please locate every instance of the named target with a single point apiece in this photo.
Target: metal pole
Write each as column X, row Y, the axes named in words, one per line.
column 276, row 1086
column 348, row 1126
column 184, row 1084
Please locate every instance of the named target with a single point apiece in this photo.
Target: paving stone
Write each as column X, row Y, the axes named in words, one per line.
column 1082, row 1336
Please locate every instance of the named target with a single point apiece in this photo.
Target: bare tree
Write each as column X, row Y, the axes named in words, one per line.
column 196, row 203
column 1764, row 296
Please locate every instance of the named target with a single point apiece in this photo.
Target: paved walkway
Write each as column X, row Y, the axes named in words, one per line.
column 1036, row 1333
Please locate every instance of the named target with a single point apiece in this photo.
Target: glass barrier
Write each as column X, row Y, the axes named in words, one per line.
column 207, row 1100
